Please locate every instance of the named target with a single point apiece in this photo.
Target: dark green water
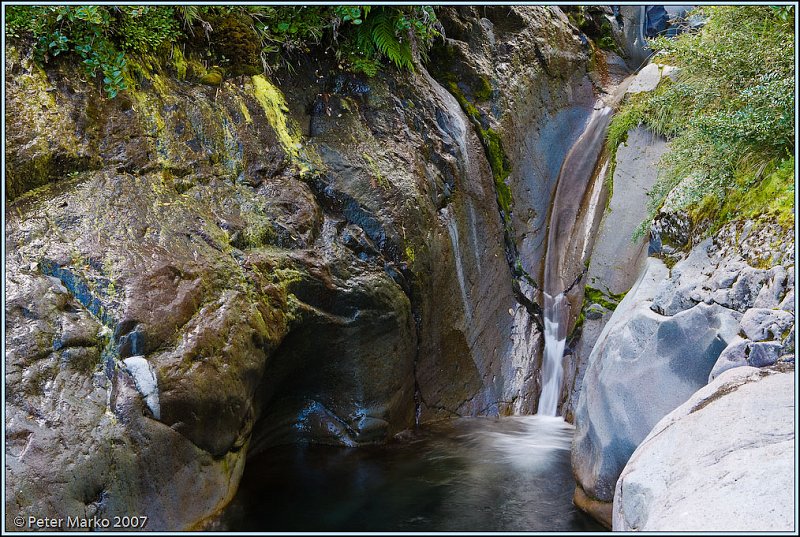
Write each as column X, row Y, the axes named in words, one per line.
column 471, row 474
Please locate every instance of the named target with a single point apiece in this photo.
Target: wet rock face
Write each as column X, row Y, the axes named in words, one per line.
column 344, row 373
column 195, row 280
column 80, row 443
column 528, row 82
column 144, row 310
column 735, row 474
column 520, row 74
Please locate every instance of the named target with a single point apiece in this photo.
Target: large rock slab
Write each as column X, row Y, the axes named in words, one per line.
column 722, row 461
column 643, row 366
column 616, row 259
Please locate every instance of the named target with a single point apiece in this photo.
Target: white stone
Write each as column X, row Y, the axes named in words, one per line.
column 670, row 71
column 145, row 378
column 647, row 79
column 722, row 461
column 642, row 367
column 761, row 324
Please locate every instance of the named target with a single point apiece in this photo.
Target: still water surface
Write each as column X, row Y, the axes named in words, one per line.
column 470, row 474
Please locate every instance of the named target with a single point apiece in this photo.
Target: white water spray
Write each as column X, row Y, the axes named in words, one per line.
column 555, row 339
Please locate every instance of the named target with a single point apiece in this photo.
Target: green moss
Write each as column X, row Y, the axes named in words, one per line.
column 30, row 94
column 212, row 78
column 376, row 172
column 596, row 296
column 258, row 233
column 483, row 91
column 770, row 198
column 606, row 39
column 469, row 109
column 493, row 146
column 501, row 169
column 195, row 69
column 236, row 41
column 179, row 62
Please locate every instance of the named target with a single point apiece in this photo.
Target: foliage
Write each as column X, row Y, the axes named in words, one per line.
column 237, row 37
column 99, row 35
column 730, row 114
column 772, row 196
column 395, row 33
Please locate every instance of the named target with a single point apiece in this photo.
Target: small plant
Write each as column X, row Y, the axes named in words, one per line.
column 99, row 35
column 386, row 32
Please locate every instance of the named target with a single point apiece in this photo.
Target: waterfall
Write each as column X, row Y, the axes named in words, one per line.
column 566, row 250
column 452, row 229
column 555, row 339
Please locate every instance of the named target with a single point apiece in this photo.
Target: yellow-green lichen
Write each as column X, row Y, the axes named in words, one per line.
column 274, row 104
column 410, row 253
column 50, row 131
column 243, row 107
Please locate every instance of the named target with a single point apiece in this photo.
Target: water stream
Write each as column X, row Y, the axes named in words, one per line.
column 563, row 263
column 470, row 474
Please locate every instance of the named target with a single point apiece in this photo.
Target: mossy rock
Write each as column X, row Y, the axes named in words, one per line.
column 235, row 40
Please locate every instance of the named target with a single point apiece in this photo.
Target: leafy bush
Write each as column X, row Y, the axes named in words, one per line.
column 263, row 36
column 99, row 35
column 730, row 114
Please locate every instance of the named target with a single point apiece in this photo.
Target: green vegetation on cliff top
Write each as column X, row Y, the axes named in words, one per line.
column 729, row 116
column 240, row 39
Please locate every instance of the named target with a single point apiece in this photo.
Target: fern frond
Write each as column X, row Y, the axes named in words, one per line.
column 382, row 28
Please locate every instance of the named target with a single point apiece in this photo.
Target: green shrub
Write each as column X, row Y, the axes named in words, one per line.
column 243, row 39
column 729, row 115
column 99, row 35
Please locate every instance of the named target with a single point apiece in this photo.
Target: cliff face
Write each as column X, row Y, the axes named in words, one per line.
column 198, row 272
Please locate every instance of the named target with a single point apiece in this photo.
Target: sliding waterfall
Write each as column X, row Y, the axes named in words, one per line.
column 565, row 248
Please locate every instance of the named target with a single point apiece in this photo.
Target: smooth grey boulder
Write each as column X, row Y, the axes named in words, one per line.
column 744, row 292
column 726, row 274
column 688, row 283
column 764, row 353
column 771, row 294
column 643, row 366
column 787, row 304
column 709, row 466
column 617, row 261
column 744, row 352
column 788, row 342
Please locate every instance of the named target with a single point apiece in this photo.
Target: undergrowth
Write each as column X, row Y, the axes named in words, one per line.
column 238, row 39
column 729, row 117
